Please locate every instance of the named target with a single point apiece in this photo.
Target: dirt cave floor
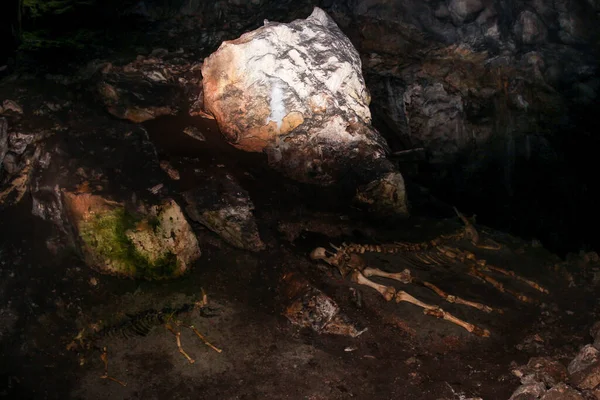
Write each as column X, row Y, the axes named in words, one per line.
column 403, row 354
column 47, row 300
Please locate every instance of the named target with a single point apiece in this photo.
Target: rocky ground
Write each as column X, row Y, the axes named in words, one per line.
column 130, row 130
column 48, row 297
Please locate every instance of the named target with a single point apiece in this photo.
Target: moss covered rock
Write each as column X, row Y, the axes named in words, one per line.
column 155, row 244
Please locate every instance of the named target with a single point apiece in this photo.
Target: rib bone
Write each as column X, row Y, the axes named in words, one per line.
column 533, row 284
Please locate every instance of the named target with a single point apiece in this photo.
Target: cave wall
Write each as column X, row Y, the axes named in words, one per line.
column 503, row 97
column 501, row 94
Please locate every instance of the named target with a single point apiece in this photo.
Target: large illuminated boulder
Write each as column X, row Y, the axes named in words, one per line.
column 296, row 92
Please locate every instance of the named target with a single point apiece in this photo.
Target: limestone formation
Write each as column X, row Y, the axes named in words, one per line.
column 157, row 244
column 296, row 92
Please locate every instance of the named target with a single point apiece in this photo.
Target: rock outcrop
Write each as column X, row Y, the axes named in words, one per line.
column 223, row 206
column 296, row 92
column 155, row 244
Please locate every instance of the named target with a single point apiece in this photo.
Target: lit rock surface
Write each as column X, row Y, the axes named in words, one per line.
column 296, row 92
column 155, row 243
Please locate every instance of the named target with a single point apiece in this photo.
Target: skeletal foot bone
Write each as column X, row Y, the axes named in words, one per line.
column 439, row 313
column 104, row 358
column 177, row 336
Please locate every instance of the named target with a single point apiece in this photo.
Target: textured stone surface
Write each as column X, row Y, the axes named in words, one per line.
column 273, row 79
column 155, row 244
column 3, row 141
column 595, row 331
column 463, row 11
column 224, row 207
column 296, row 92
column 562, row 391
column 584, row 370
column 307, row 306
column 531, row 391
column 547, row 371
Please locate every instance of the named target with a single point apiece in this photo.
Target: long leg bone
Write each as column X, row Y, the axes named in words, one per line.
column 403, row 276
column 177, row 335
column 387, row 292
column 104, row 358
column 206, row 342
column 439, row 313
column 455, row 299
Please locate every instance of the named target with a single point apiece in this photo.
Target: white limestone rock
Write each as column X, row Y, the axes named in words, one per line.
column 296, row 92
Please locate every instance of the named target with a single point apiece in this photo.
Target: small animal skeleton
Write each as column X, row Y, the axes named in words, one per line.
column 436, row 252
column 141, row 324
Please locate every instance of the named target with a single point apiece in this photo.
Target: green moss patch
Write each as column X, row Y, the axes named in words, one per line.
column 105, row 236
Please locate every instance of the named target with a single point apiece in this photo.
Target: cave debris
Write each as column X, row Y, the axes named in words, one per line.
column 309, row 307
column 435, row 253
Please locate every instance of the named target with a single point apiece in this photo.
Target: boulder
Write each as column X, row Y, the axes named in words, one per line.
column 157, row 243
column 149, row 87
column 3, row 141
column 584, row 369
column 530, row 29
column 223, row 206
column 296, row 92
column 530, row 391
column 463, row 11
column 545, row 370
column 595, row 329
column 308, row 307
column 134, row 98
column 562, row 391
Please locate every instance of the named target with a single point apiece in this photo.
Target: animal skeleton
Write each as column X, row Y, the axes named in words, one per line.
column 141, row 324
column 436, row 252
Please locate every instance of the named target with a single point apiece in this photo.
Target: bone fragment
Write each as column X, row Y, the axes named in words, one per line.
column 403, row 276
column 318, row 254
column 206, row 342
column 455, row 299
column 177, row 336
column 533, row 284
column 439, row 313
column 104, row 358
column 387, row 292
column 473, row 271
